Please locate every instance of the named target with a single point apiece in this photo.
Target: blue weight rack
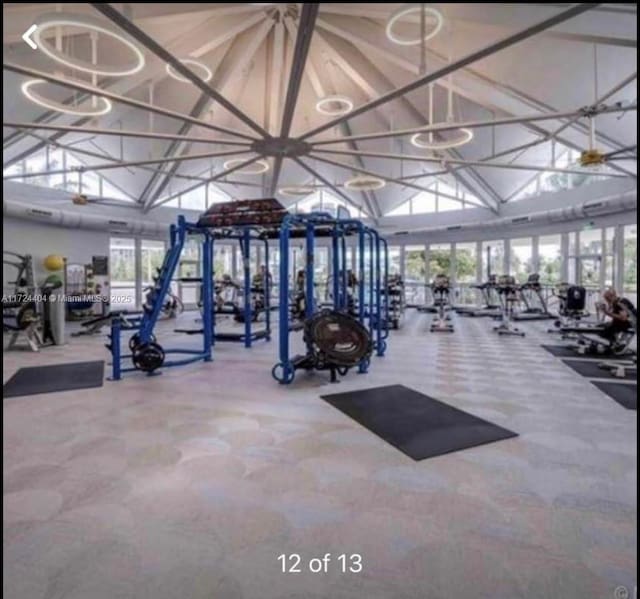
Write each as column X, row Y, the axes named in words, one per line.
column 153, row 305
column 369, row 297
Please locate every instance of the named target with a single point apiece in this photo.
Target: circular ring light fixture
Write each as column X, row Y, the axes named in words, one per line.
column 61, row 19
column 190, row 62
column 257, row 168
column 334, row 105
column 365, row 183
column 49, row 104
column 466, row 135
column 297, row 190
column 431, row 14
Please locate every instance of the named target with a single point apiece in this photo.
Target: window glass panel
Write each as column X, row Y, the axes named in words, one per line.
column 550, row 259
column 423, row 203
column 609, row 258
column 415, row 272
column 402, row 210
column 194, row 199
column 222, row 260
column 591, row 241
column 14, row 169
column 122, row 265
column 152, row 256
column 394, row 260
column 439, row 259
column 56, row 161
column 630, row 266
column 495, row 251
column 37, row 163
column 520, row 259
column 217, row 196
column 91, row 183
column 447, row 204
column 111, row 191
column 466, row 262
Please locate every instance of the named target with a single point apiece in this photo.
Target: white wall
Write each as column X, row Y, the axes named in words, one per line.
column 39, row 240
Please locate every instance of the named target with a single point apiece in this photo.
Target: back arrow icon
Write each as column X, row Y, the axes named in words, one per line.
column 26, row 38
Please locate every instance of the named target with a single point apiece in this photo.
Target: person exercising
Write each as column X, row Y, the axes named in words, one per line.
column 619, row 310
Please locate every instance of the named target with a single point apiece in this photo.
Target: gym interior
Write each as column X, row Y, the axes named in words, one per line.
column 319, row 301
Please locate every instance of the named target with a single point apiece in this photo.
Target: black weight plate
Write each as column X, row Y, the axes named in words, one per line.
column 148, row 357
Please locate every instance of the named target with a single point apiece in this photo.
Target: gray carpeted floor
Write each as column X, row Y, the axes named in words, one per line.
column 191, row 484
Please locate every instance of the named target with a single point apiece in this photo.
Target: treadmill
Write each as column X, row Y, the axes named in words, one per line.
column 535, row 306
column 491, row 307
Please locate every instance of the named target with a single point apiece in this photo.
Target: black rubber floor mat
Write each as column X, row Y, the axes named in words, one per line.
column 591, row 370
column 562, row 351
column 418, row 425
column 57, row 377
column 625, row 394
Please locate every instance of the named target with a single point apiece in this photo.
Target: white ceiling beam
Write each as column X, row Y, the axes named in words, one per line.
column 459, row 63
column 370, row 198
column 148, row 42
column 19, row 16
column 472, row 85
column 128, row 164
column 91, row 90
column 239, row 55
column 466, row 163
column 207, row 181
column 334, row 188
column 362, row 70
column 97, row 131
column 304, row 35
column 275, row 79
column 182, row 45
column 574, row 115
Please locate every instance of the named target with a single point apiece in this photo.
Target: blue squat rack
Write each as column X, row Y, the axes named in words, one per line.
column 371, row 311
column 153, row 305
column 151, row 310
column 246, row 236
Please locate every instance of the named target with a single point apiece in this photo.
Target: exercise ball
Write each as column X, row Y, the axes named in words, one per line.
column 53, row 263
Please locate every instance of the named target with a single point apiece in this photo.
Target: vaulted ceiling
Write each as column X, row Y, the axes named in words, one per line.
column 270, row 64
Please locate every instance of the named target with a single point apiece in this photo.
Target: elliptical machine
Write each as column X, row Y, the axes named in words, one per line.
column 508, row 294
column 441, row 289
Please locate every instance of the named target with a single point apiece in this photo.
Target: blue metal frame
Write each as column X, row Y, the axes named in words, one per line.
column 151, row 312
column 245, row 235
column 284, row 370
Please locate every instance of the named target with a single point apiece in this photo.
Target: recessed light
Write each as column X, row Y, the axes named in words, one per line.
column 54, row 20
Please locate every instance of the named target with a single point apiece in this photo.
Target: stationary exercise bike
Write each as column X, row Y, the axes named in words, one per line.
column 441, row 290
